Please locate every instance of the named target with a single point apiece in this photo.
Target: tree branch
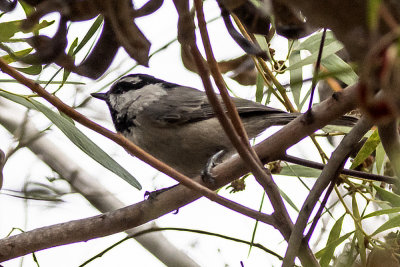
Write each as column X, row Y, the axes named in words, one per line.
column 356, row 174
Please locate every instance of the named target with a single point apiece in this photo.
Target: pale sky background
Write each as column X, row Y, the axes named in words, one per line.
column 202, row 214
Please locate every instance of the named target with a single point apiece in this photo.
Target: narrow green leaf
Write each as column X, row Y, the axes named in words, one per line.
column 328, row 50
column 26, row 7
column 253, row 236
column 295, row 76
column 340, row 69
column 259, row 88
column 43, row 24
column 86, row 145
column 72, row 47
column 77, row 137
column 366, row 150
column 390, row 197
column 288, row 200
column 379, row 158
column 312, row 43
column 359, row 233
column 10, row 59
column 382, row 212
column 333, row 236
column 299, row 171
column 8, row 29
column 31, row 70
column 348, row 255
column 333, row 244
column 95, row 26
column 391, row 223
column 42, row 82
column 305, row 99
column 67, row 118
column 356, row 212
column 17, row 99
column 373, row 7
column 70, row 52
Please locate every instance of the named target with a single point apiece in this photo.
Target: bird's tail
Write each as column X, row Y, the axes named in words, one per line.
column 285, row 118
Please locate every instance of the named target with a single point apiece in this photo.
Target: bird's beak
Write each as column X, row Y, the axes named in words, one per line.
column 101, row 96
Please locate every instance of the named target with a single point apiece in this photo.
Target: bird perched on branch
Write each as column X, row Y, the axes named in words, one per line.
column 177, row 125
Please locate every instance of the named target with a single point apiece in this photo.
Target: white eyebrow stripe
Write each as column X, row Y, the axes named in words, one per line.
column 128, row 79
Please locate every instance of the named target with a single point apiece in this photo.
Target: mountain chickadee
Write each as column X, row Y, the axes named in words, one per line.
column 177, row 125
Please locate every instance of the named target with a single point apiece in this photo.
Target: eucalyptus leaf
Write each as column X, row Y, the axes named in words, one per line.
column 391, row 223
column 333, row 236
column 382, row 212
column 380, row 158
column 43, row 82
column 8, row 29
column 333, row 244
column 288, row 200
column 295, row 76
column 66, row 73
column 373, row 14
column 93, row 29
column 328, row 50
column 332, row 62
column 340, row 69
column 312, row 43
column 31, row 70
column 299, row 171
column 359, row 233
column 77, row 137
column 367, row 149
column 390, row 197
column 10, row 59
column 259, row 88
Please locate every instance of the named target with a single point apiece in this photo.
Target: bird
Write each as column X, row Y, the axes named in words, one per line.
column 177, row 124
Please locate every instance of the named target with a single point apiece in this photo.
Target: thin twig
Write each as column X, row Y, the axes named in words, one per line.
column 316, row 69
column 354, row 173
column 152, row 230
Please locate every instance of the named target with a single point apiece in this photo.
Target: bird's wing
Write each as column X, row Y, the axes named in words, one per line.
column 184, row 104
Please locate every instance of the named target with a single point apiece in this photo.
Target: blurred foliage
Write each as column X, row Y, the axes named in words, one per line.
column 113, row 26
